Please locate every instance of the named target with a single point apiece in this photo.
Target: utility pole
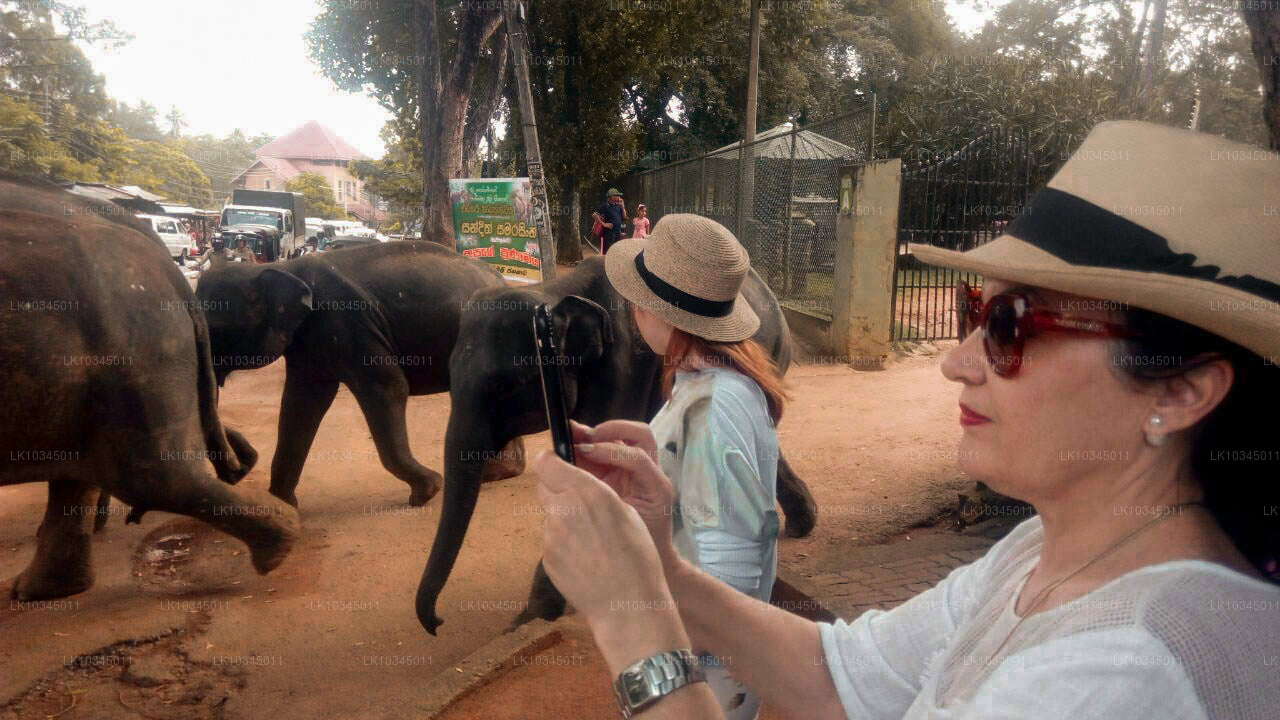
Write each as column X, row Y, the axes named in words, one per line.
column 746, row 159
column 514, row 13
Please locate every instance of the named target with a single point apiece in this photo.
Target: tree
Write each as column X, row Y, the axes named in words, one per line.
column 319, row 195
column 176, row 121
column 138, row 121
column 1263, row 20
column 222, row 159
column 397, row 50
column 165, row 170
column 601, row 105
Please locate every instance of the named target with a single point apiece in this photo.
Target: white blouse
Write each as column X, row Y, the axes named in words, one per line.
column 1182, row 639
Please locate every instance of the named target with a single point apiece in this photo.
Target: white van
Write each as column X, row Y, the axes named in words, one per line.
column 170, row 232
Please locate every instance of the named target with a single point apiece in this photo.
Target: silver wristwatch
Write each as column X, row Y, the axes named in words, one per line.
column 648, row 681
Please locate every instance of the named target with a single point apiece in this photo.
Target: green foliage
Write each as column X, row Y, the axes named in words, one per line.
column 395, row 177
column 138, row 122
column 222, row 158
column 26, row 148
column 165, row 170
column 316, row 189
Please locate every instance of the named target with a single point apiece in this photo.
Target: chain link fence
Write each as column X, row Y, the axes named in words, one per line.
column 778, row 194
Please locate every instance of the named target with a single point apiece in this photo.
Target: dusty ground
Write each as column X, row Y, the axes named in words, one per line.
column 332, row 632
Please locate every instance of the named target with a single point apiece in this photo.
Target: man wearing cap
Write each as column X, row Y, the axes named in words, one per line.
column 612, row 213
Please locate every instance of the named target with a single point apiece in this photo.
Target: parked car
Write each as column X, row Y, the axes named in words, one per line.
column 170, row 233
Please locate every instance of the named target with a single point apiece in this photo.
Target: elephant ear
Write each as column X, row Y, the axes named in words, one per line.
column 287, row 300
column 585, row 328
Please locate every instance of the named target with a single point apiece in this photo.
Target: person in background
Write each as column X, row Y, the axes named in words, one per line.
column 1119, row 371
column 640, row 226
column 612, row 214
column 242, row 252
column 717, row 430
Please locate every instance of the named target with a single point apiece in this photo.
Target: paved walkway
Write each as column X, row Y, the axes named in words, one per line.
column 884, row 576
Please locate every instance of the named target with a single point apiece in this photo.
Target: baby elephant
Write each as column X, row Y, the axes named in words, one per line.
column 109, row 386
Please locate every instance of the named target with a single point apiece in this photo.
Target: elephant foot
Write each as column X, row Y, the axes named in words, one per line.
column 801, row 524
column 551, row 608
column 421, row 491
column 288, row 497
column 276, row 538
column 47, row 579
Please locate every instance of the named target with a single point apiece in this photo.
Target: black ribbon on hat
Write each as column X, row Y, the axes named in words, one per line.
column 1082, row 233
column 680, row 298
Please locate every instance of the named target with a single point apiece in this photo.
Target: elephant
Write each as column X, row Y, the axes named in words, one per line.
column 609, row 373
column 109, row 387
column 380, row 318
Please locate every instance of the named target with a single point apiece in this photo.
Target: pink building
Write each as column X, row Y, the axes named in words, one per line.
column 312, row 148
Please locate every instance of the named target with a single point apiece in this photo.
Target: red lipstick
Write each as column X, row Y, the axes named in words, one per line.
column 969, row 417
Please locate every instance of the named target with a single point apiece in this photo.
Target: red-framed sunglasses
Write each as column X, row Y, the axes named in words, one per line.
column 1008, row 319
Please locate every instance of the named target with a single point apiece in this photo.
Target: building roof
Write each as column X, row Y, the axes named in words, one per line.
column 139, row 192
column 311, row 141
column 776, row 143
column 114, row 194
column 282, row 168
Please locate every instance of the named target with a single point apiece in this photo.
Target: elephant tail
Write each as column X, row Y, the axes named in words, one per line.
column 221, row 453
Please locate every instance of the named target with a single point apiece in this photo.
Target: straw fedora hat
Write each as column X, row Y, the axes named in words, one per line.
column 688, row 272
column 1181, row 223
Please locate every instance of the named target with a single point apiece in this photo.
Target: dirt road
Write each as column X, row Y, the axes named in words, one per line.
column 332, row 633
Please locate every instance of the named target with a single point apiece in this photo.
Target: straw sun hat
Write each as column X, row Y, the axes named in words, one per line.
column 688, row 272
column 1180, row 223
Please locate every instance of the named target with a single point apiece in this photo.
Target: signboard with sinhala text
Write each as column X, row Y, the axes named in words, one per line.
column 493, row 221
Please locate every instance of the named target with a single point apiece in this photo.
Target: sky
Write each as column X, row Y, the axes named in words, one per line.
column 243, row 64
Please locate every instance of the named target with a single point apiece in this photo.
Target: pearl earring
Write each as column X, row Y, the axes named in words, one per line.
column 1155, row 438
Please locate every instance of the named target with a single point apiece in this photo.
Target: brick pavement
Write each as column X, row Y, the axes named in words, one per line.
column 884, row 576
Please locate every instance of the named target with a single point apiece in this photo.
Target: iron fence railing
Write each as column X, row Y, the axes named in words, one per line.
column 957, row 200
column 778, row 194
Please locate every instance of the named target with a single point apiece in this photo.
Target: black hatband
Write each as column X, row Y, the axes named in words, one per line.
column 680, row 298
column 1081, row 233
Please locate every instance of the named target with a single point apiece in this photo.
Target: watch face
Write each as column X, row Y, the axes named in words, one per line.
column 638, row 689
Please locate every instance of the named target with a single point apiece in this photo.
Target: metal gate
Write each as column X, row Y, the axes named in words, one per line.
column 956, row 200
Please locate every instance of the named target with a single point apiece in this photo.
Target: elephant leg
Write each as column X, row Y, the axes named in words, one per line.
column 545, row 601
column 262, row 521
column 383, row 405
column 244, row 451
column 301, row 409
column 508, row 464
column 61, row 565
column 797, row 504
column 103, row 511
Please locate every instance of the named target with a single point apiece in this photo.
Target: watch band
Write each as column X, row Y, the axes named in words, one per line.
column 647, row 681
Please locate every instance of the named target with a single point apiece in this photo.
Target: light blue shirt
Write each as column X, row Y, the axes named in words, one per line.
column 718, row 445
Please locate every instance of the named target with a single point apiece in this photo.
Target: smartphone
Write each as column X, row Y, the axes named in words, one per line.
column 551, row 368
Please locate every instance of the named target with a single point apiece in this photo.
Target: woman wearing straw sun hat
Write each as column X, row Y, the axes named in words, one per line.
column 716, row 432
column 1119, row 372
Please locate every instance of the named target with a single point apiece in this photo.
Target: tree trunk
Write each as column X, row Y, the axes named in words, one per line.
column 427, row 45
column 442, row 108
column 568, row 219
column 1264, row 29
column 1146, row 89
column 1132, row 72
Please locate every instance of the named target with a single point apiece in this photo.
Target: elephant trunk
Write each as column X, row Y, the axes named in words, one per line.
column 467, row 444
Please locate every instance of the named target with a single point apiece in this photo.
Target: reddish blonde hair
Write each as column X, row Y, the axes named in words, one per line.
column 745, row 356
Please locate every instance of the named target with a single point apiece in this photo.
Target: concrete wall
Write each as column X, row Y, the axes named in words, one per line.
column 866, row 246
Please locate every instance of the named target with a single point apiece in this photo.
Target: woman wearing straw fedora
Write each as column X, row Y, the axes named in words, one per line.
column 716, row 431
column 1120, row 374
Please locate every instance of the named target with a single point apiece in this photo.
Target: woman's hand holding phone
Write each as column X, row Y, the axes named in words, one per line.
column 623, row 455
